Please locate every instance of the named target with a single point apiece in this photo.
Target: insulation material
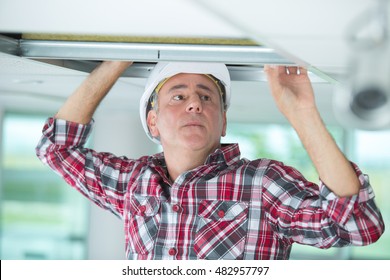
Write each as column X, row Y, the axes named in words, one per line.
column 140, row 39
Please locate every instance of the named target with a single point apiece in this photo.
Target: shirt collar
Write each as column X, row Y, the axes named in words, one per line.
column 227, row 154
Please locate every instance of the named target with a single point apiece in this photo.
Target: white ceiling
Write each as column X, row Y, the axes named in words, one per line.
column 308, row 32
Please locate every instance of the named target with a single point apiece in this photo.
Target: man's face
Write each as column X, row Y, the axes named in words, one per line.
column 190, row 113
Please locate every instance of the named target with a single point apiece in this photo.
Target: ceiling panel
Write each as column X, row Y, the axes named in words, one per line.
column 114, row 17
column 311, row 32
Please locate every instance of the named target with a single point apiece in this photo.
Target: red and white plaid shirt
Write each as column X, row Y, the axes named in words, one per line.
column 228, row 208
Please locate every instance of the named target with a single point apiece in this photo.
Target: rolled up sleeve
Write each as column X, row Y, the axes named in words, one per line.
column 101, row 177
column 357, row 215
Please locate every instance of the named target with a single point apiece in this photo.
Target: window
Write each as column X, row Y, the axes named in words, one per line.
column 367, row 149
column 371, row 150
column 38, row 219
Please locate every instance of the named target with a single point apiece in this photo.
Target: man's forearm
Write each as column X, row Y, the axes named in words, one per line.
column 81, row 105
column 332, row 166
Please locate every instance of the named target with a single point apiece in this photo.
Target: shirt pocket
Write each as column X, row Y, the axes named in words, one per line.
column 144, row 223
column 221, row 230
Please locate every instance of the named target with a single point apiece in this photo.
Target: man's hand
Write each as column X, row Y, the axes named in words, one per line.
column 291, row 90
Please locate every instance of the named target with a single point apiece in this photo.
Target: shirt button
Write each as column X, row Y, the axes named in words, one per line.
column 221, row 213
column 176, row 208
column 172, row 251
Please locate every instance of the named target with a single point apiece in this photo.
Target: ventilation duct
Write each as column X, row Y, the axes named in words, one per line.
column 363, row 101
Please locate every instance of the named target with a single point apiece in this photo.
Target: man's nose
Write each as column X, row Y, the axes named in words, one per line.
column 194, row 105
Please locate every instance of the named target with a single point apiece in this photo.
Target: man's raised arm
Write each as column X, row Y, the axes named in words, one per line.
column 293, row 94
column 81, row 105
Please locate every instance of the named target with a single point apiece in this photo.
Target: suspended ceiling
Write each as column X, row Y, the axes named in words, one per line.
column 308, row 33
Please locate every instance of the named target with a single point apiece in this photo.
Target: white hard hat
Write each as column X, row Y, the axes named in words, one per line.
column 164, row 70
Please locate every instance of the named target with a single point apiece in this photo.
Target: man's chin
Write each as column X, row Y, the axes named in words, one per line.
column 199, row 144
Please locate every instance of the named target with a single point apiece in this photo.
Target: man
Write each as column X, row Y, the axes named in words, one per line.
column 198, row 199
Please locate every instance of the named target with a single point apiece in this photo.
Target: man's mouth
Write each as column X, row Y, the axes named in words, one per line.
column 193, row 124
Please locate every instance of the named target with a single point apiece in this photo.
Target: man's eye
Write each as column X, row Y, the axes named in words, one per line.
column 206, row 98
column 178, row 97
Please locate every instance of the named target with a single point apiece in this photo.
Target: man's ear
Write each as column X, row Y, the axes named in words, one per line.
column 152, row 123
column 224, row 124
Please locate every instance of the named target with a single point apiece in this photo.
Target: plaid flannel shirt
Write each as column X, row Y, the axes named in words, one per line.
column 228, row 208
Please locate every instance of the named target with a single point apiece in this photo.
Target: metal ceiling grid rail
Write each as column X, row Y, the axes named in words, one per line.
column 245, row 63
